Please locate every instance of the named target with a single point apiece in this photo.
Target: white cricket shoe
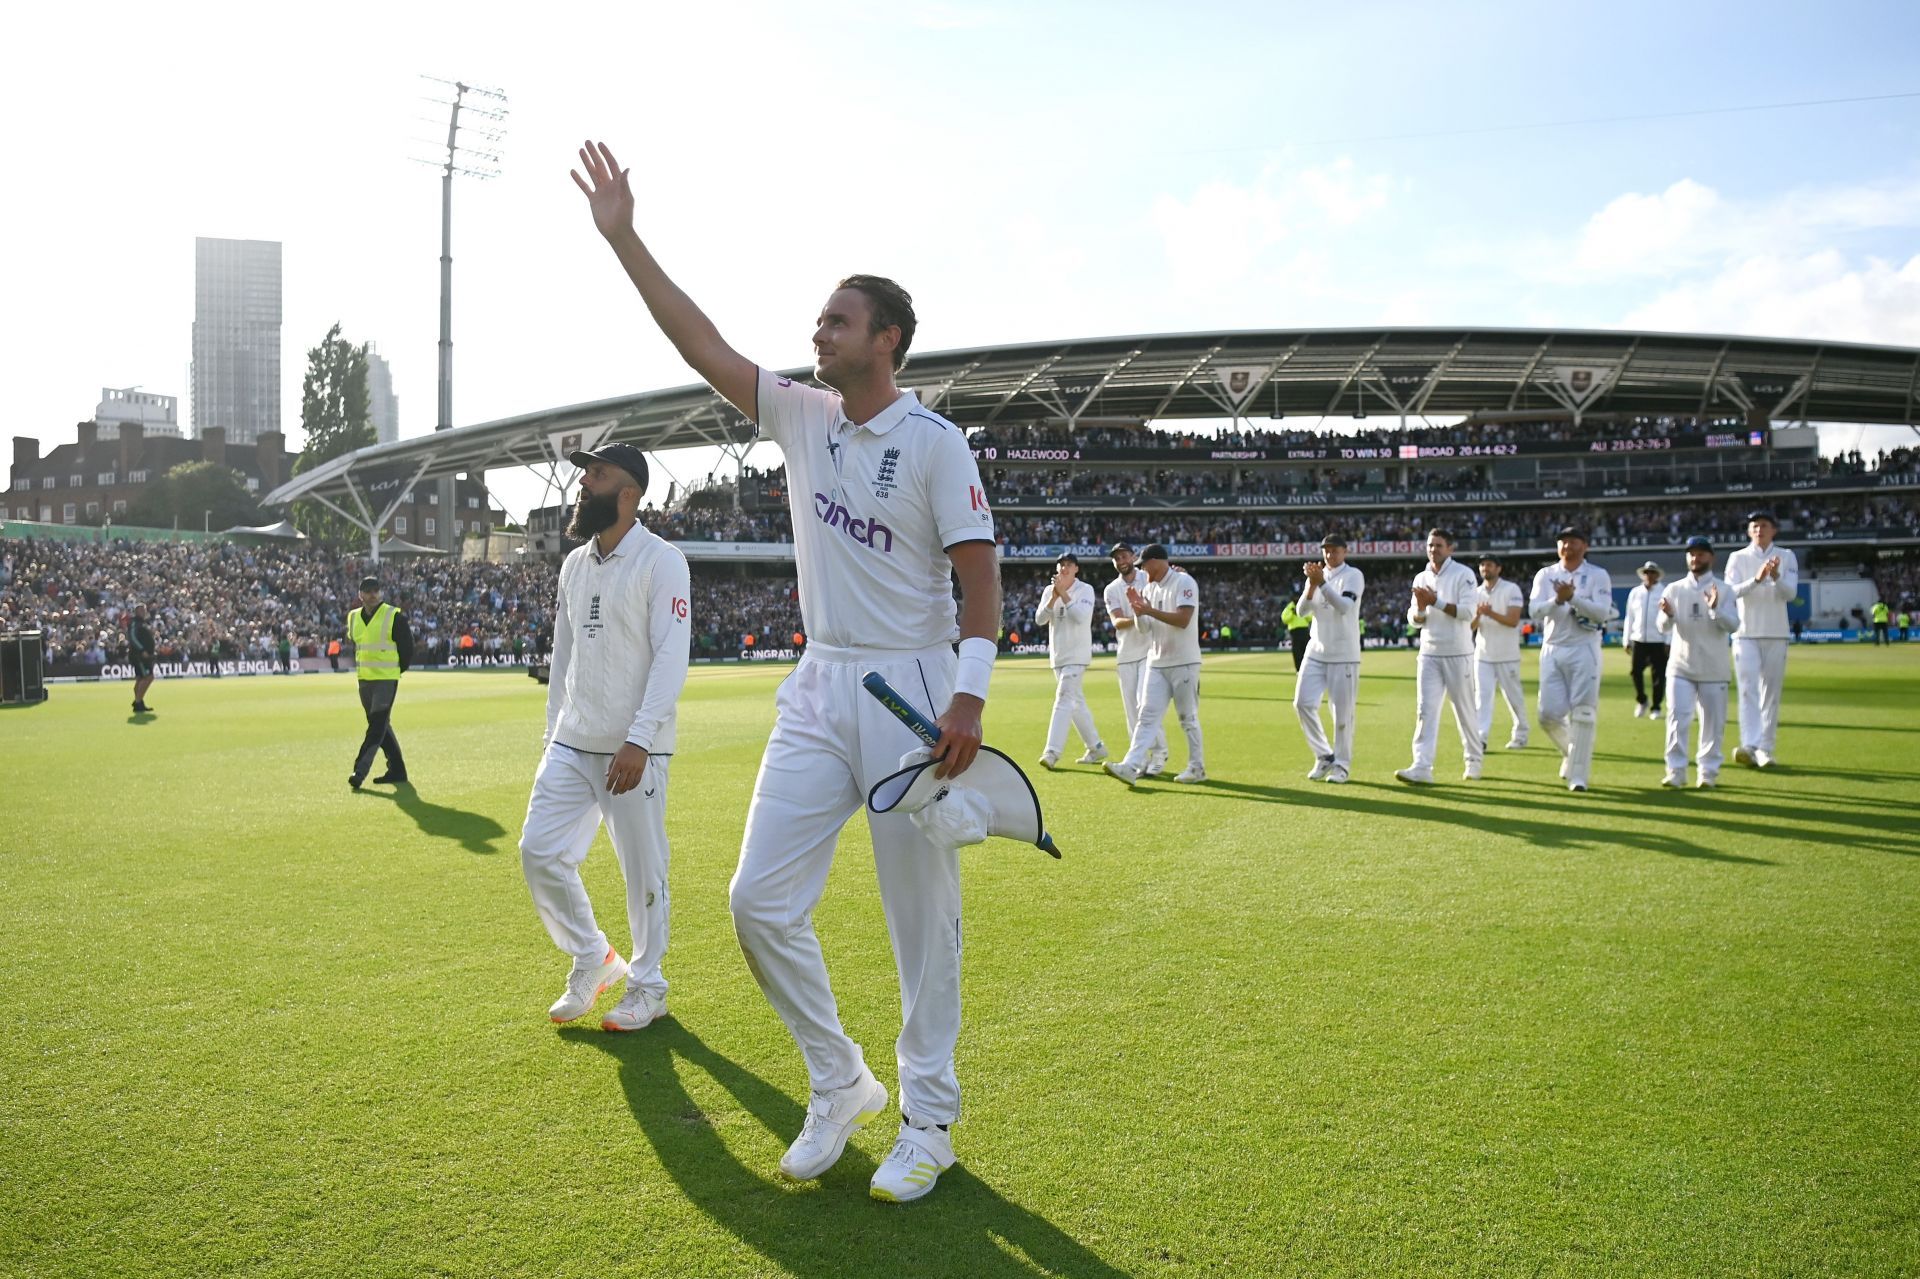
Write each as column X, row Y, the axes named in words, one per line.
column 637, row 1009
column 1674, row 780
column 1516, row 743
column 1707, row 783
column 1094, row 755
column 1156, row 764
column 1321, row 767
column 913, row 1166
column 831, row 1119
column 1744, row 756
column 1337, row 775
column 1639, row 710
column 1122, row 771
column 584, row 985
column 1050, row 761
column 1471, row 773
column 1578, row 788
column 1191, row 773
column 1762, row 759
column 1415, row 776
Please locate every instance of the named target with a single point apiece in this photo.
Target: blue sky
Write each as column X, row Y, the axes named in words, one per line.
column 1029, row 171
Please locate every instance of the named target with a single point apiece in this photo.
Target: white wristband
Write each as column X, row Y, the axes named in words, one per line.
column 975, row 668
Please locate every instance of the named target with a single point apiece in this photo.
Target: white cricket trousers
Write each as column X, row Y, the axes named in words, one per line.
column 1179, row 685
column 1133, row 677
column 1339, row 683
column 1452, row 678
column 1570, row 705
column 1684, row 696
column 1759, row 668
column 1502, row 678
column 831, row 742
column 568, row 803
column 1070, row 706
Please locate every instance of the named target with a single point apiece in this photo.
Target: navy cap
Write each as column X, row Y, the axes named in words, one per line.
column 1570, row 530
column 1762, row 515
column 1118, row 547
column 369, row 583
column 625, row 456
column 1334, row 540
column 1155, row 552
column 1699, row 544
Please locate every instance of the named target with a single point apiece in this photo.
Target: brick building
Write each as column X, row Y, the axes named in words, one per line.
column 94, row 479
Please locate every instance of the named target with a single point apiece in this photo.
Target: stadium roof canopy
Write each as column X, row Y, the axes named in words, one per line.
column 1528, row 373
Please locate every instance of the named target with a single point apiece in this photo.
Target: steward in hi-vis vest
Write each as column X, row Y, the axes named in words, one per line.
column 382, row 649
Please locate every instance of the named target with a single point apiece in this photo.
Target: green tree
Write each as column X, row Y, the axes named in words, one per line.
column 335, row 415
column 196, row 495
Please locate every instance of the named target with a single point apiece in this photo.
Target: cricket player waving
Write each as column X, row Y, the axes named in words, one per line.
column 887, row 509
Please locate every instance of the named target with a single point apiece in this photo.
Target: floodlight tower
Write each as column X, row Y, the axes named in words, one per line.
column 480, row 161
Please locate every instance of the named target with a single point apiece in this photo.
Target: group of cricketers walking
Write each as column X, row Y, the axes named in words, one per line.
column 1697, row 637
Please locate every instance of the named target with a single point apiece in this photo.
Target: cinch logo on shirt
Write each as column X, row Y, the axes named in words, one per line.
column 865, row 532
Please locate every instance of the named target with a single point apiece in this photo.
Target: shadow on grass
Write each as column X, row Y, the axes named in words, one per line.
column 142, row 717
column 1482, row 814
column 474, row 831
column 829, row 1227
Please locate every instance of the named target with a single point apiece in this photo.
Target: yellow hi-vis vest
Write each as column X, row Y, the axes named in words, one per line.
column 1881, row 612
column 375, row 655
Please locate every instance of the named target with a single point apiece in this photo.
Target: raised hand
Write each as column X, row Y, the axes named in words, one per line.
column 1771, row 569
column 609, row 197
column 1317, row 573
column 1137, row 600
column 1713, row 597
column 1563, row 590
column 1666, row 605
column 1424, row 596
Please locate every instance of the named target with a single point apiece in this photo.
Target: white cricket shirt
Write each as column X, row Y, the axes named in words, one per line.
column 620, row 646
column 1643, row 615
column 1580, row 621
column 1763, row 605
column 1172, row 645
column 1493, row 641
column 1440, row 635
column 1334, row 635
column 1069, row 624
column 874, row 509
column 1132, row 645
column 1699, row 633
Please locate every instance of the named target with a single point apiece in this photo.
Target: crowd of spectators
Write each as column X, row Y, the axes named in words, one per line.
column 1610, row 525
column 1557, row 432
column 226, row 601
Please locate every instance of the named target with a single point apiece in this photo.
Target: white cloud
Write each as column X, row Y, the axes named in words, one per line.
column 1815, row 295
column 1227, row 227
column 1690, row 225
column 1640, row 233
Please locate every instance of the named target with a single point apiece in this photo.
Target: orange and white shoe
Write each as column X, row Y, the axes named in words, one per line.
column 914, row 1165
column 585, row 984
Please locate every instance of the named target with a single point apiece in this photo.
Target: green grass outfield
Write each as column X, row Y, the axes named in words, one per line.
column 256, row 1024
